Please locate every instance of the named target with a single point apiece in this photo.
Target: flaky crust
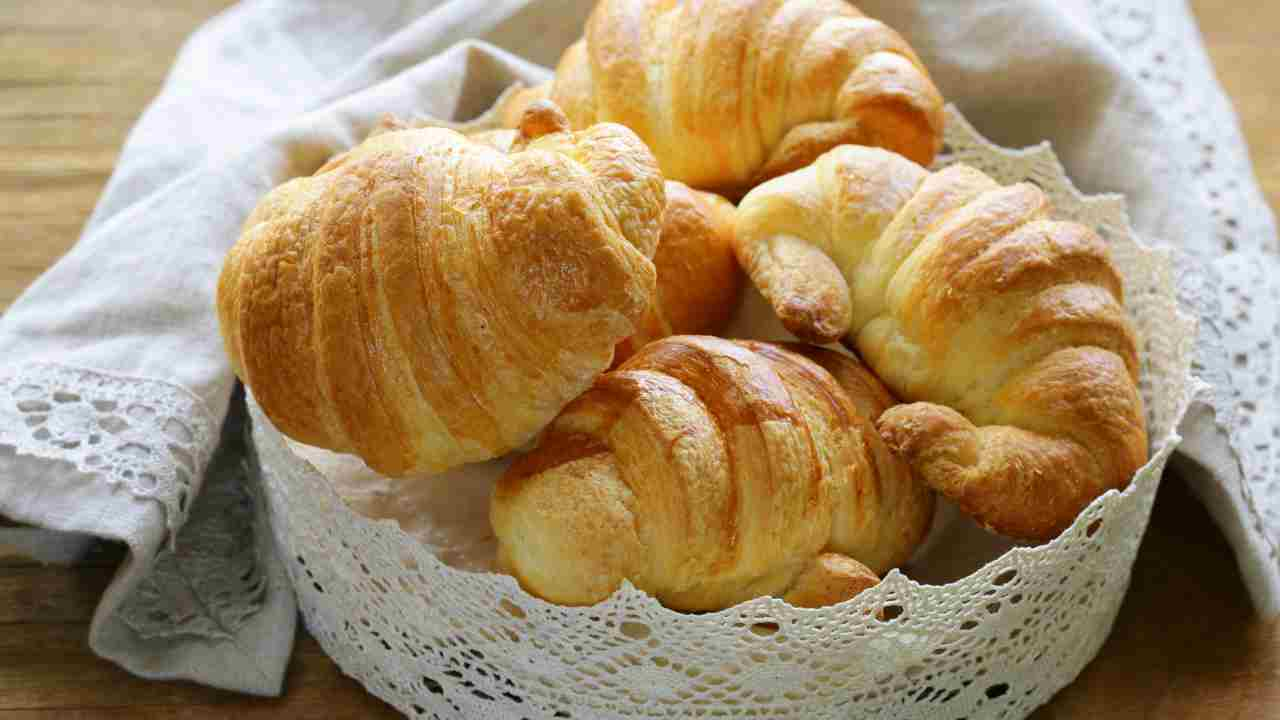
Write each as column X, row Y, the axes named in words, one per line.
column 425, row 301
column 729, row 93
column 1008, row 326
column 708, row 472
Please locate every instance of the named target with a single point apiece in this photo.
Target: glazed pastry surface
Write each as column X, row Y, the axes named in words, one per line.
column 729, row 93
column 708, row 472
column 424, row 300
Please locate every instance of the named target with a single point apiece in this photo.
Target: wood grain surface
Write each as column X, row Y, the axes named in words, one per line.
column 74, row 76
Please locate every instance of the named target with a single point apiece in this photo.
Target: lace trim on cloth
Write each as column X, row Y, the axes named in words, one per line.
column 148, row 436
column 1234, row 287
column 435, row 641
column 210, row 582
column 154, row 439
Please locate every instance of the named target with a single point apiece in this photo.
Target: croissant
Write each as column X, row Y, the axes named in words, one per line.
column 1006, row 326
column 708, row 472
column 699, row 282
column 425, row 301
column 729, row 93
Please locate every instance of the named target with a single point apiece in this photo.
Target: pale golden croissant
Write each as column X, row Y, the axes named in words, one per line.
column 728, row 93
column 699, row 280
column 708, row 472
column 964, row 294
column 424, row 301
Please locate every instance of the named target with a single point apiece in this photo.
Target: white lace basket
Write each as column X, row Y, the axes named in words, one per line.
column 1017, row 625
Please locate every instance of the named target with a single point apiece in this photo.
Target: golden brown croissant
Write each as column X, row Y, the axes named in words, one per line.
column 424, row 301
column 708, row 472
column 728, row 93
column 964, row 294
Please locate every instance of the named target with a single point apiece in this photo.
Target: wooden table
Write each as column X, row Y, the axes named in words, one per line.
column 75, row 74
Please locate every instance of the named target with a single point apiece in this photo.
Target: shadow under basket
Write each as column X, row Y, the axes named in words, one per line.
column 1002, row 631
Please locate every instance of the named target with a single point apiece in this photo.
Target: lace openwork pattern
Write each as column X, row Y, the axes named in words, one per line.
column 210, row 581
column 150, row 437
column 1233, row 286
column 435, row 641
column 154, row 440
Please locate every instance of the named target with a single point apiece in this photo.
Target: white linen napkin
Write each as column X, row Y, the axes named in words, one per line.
column 113, row 382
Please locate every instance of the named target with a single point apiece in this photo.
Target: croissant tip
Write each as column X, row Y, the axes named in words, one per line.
column 811, row 323
column 542, row 117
